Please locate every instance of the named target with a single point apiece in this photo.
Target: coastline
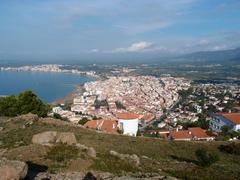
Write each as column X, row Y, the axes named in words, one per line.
column 78, row 90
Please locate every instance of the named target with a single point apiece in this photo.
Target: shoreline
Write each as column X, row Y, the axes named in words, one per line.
column 68, row 99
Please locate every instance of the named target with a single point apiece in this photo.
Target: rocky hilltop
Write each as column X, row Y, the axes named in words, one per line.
column 46, row 148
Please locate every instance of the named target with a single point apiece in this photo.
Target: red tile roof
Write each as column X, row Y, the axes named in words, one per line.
column 102, row 125
column 93, row 124
column 233, row 117
column 191, row 133
column 109, row 126
column 198, row 132
column 127, row 115
column 181, row 135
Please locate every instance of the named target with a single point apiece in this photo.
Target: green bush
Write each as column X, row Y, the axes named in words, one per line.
column 233, row 148
column 25, row 102
column 206, row 159
column 83, row 121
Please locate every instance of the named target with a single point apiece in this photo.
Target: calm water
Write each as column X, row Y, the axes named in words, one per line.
column 48, row 86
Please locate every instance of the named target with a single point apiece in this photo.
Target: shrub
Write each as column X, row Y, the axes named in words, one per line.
column 206, row 159
column 233, row 148
column 83, row 121
column 57, row 116
column 62, row 152
column 25, row 102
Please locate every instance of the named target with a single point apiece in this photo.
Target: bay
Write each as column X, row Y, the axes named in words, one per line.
column 48, row 86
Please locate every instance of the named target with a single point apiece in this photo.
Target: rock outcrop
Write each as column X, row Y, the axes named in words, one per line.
column 91, row 152
column 53, row 137
column 132, row 158
column 12, row 170
column 66, row 138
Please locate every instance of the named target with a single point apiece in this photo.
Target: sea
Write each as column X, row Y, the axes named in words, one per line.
column 48, row 86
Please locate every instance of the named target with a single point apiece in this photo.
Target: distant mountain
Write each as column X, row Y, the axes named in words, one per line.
column 223, row 56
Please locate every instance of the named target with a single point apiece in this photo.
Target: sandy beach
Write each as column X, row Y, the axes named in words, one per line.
column 79, row 90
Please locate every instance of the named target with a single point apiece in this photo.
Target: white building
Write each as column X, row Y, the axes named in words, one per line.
column 128, row 123
column 57, row 109
column 232, row 120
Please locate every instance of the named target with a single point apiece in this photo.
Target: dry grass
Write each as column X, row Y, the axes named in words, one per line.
column 174, row 158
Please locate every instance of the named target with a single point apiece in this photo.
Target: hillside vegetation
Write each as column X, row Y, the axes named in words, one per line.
column 171, row 158
column 25, row 102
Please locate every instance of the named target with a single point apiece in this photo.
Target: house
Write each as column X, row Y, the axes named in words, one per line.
column 128, row 123
column 183, row 135
column 109, row 126
column 57, row 110
column 200, row 134
column 195, row 133
column 232, row 120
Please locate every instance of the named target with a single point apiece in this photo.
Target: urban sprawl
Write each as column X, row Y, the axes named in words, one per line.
column 166, row 107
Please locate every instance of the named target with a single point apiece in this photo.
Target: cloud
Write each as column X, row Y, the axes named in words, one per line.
column 94, row 50
column 219, row 47
column 135, row 47
column 204, row 42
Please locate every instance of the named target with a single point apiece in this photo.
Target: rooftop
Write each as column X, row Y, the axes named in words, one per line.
column 233, row 117
column 127, row 115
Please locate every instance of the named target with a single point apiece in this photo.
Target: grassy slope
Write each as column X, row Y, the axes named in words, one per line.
column 173, row 158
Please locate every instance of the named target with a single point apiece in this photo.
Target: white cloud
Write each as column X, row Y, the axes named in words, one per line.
column 94, row 50
column 219, row 47
column 204, row 42
column 136, row 47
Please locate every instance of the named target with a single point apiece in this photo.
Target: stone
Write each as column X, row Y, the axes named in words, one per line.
column 45, row 138
column 135, row 159
column 91, row 152
column 66, row 138
column 81, row 146
column 52, row 137
column 1, row 128
column 12, row 170
column 132, row 158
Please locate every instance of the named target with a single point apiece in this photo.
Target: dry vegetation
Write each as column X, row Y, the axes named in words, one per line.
column 166, row 157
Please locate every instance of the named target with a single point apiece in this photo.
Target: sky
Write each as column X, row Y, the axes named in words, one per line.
column 98, row 28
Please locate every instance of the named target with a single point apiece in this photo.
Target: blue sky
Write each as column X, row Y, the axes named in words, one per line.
column 93, row 27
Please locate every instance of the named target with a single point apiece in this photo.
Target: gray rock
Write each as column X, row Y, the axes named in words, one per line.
column 81, row 146
column 12, row 170
column 132, row 158
column 135, row 159
column 52, row 137
column 1, row 128
column 66, row 138
column 45, row 138
column 91, row 152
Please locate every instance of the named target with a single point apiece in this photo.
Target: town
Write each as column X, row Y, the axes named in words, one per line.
column 49, row 68
column 166, row 107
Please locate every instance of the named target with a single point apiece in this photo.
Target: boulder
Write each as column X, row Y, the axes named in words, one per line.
column 135, row 159
column 81, row 146
column 91, row 152
column 66, row 138
column 132, row 158
column 52, row 137
column 45, row 138
column 12, row 170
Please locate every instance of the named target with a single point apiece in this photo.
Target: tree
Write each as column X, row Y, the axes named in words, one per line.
column 119, row 105
column 206, row 159
column 25, row 102
column 83, row 121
